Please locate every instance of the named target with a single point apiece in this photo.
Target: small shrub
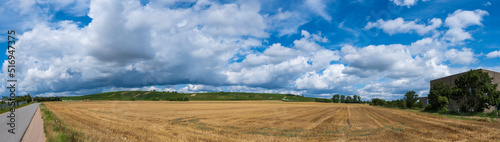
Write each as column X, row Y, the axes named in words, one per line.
column 428, row 108
column 420, row 104
column 180, row 99
column 443, row 110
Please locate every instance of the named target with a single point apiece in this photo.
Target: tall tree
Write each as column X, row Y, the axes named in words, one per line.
column 28, row 97
column 348, row 99
column 475, row 91
column 336, row 98
column 355, row 99
column 438, row 96
column 359, row 99
column 410, row 98
column 401, row 104
column 342, row 98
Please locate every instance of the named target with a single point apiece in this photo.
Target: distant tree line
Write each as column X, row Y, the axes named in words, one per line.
column 25, row 98
column 44, row 99
column 289, row 94
column 410, row 100
column 167, row 91
column 341, row 99
column 323, row 100
column 347, row 99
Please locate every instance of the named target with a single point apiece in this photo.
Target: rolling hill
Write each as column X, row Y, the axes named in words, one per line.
column 210, row 96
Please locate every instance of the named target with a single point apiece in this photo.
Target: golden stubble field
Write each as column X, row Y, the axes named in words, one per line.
column 261, row 121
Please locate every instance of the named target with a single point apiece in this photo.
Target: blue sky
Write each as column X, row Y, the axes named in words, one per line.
column 317, row 48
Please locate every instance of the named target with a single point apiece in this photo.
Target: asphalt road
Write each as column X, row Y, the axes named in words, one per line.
column 23, row 118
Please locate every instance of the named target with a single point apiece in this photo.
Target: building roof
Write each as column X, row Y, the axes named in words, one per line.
column 464, row 73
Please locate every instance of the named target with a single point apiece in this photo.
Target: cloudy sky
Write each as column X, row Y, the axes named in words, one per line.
column 316, row 48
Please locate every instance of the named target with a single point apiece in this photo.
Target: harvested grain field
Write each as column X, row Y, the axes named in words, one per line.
column 261, row 121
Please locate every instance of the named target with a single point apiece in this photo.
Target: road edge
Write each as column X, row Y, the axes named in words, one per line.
column 22, row 137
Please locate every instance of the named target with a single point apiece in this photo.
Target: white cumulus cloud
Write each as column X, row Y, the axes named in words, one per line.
column 465, row 57
column 459, row 20
column 399, row 25
column 407, row 3
column 128, row 45
column 279, row 65
column 493, row 54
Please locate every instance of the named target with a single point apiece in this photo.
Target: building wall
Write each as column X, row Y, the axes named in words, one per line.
column 450, row 80
column 424, row 100
column 453, row 105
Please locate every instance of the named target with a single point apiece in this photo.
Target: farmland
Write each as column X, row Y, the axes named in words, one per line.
column 260, row 121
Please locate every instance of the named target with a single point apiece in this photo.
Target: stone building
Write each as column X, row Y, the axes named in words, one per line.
column 450, row 80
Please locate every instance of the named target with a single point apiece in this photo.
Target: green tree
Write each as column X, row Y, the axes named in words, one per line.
column 20, row 99
column 438, row 96
column 355, row 99
column 348, row 99
column 342, row 99
column 475, row 91
column 401, row 104
column 410, row 98
column 336, row 98
column 378, row 102
column 443, row 100
column 359, row 99
column 420, row 104
column 1, row 104
column 28, row 97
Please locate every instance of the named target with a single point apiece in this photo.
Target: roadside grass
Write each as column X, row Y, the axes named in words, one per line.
column 3, row 110
column 55, row 130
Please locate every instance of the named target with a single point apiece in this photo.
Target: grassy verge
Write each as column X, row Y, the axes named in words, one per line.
column 477, row 116
column 490, row 114
column 3, row 110
column 55, row 129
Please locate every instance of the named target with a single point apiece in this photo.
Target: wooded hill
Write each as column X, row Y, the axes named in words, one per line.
column 174, row 96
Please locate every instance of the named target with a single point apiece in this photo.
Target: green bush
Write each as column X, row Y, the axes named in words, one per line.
column 429, row 108
column 180, row 99
column 323, row 100
column 378, row 102
column 438, row 96
column 420, row 104
column 402, row 105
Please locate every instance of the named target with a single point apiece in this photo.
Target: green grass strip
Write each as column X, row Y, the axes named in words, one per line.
column 55, row 130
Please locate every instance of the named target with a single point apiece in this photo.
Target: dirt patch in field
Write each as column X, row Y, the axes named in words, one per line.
column 137, row 95
column 262, row 121
column 123, row 93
